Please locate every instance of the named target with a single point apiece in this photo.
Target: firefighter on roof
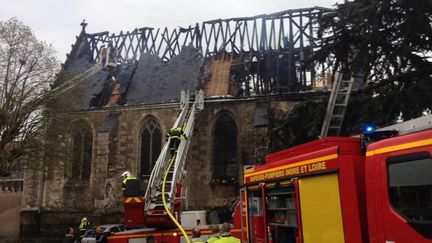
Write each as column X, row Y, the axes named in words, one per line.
column 174, row 135
column 103, row 55
column 111, row 57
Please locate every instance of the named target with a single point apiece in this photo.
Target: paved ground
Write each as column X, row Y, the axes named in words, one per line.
column 10, row 206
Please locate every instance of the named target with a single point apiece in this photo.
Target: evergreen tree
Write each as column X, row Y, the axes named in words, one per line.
column 390, row 42
column 387, row 41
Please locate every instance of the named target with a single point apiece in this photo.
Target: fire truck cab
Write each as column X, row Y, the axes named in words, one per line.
column 330, row 191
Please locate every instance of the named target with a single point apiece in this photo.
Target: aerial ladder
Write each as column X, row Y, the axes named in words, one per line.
column 166, row 176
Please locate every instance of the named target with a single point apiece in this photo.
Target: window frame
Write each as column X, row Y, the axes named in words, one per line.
column 145, row 126
column 228, row 179
column 423, row 227
column 84, row 131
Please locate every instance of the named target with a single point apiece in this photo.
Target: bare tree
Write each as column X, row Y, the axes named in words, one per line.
column 27, row 68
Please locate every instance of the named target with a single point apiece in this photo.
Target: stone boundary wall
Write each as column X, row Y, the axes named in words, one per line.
column 10, row 208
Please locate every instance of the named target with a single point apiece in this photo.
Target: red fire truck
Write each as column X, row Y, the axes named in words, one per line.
column 331, row 191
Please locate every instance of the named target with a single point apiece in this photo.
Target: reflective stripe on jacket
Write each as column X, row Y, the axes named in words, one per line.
column 128, row 178
column 84, row 225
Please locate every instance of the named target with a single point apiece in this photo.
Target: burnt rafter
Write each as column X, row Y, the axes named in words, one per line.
column 284, row 39
column 258, row 33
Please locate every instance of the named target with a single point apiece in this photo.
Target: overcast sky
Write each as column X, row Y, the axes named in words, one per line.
column 58, row 21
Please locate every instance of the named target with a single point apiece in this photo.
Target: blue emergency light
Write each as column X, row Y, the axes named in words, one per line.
column 368, row 128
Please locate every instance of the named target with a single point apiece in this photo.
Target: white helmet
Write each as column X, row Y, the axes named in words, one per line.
column 126, row 174
column 84, row 219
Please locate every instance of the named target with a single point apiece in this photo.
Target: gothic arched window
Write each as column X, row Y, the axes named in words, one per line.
column 82, row 147
column 225, row 148
column 151, row 143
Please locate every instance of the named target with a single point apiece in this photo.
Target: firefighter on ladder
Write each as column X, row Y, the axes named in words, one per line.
column 175, row 134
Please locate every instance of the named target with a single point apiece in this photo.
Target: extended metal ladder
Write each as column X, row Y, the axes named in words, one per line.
column 153, row 195
column 337, row 105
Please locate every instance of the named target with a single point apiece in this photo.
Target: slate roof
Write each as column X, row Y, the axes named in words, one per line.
column 148, row 81
column 158, row 82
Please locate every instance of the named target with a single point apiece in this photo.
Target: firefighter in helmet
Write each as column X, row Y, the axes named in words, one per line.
column 84, row 225
column 174, row 135
column 126, row 176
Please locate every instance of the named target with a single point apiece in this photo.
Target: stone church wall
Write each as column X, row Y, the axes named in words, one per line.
column 118, row 149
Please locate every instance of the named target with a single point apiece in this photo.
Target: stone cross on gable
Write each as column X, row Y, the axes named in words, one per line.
column 83, row 24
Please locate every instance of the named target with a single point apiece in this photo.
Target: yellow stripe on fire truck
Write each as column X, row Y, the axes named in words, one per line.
column 134, row 200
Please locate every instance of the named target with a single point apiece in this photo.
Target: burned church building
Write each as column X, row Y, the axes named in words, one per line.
column 110, row 120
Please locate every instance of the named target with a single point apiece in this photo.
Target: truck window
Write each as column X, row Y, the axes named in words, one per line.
column 410, row 188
